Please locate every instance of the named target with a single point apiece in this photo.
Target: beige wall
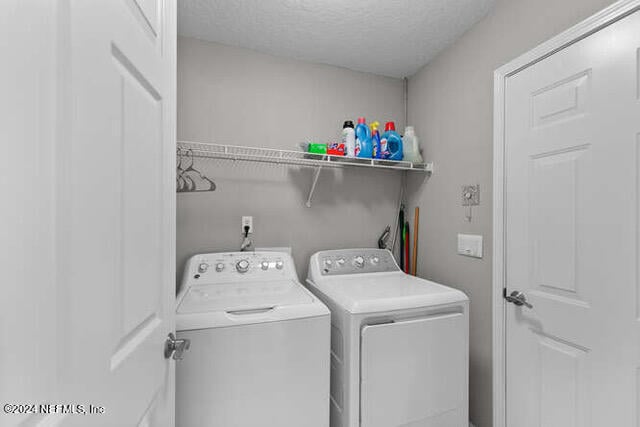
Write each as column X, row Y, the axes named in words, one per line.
column 451, row 105
column 237, row 96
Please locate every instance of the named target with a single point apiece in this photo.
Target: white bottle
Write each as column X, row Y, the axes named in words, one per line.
column 349, row 138
column 410, row 148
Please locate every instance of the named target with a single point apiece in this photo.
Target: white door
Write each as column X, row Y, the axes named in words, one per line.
column 572, row 142
column 87, row 230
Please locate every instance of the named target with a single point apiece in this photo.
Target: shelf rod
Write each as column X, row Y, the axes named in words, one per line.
column 269, row 155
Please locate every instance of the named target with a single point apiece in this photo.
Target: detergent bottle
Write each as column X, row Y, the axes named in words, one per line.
column 410, row 147
column 349, row 138
column 392, row 141
column 375, row 140
column 363, row 139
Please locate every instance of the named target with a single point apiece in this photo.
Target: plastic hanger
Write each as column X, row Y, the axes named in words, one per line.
column 186, row 184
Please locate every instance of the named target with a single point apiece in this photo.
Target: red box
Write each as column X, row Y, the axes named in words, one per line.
column 335, row 149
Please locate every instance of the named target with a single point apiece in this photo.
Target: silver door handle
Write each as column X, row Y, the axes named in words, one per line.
column 518, row 298
column 175, row 347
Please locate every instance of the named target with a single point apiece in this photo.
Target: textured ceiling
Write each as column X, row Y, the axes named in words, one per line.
column 387, row 37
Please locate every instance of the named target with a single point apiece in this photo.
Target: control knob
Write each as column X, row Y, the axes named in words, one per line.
column 203, row 267
column 375, row 260
column 265, row 265
column 242, row 266
column 279, row 265
column 219, row 267
column 358, row 261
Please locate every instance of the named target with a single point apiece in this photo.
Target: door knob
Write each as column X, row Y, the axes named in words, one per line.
column 175, row 348
column 518, row 298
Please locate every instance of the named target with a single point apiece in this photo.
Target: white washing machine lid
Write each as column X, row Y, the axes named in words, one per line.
column 240, row 303
column 242, row 296
column 381, row 292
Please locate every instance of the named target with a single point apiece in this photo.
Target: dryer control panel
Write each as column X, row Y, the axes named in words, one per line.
column 354, row 261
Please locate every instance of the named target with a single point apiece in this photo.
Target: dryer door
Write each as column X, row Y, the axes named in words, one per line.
column 414, row 373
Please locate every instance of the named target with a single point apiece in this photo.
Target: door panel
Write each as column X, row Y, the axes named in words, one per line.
column 572, row 187
column 414, row 373
column 102, row 301
column 561, row 101
column 562, row 371
column 140, row 181
column 553, row 191
column 121, row 201
column 28, row 306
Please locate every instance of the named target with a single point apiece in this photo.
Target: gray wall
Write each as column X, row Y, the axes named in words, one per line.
column 451, row 106
column 237, row 96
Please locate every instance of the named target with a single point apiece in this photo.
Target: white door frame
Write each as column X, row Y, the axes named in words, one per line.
column 587, row 27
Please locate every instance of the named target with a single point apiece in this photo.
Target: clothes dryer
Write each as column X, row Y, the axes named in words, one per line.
column 399, row 344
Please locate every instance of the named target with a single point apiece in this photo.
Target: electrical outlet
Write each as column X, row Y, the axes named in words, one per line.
column 470, row 195
column 247, row 221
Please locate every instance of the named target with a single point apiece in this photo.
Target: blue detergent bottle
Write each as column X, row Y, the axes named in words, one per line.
column 375, row 141
column 364, row 148
column 393, row 142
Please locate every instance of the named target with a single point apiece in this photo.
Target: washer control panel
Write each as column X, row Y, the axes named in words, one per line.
column 354, row 261
column 233, row 266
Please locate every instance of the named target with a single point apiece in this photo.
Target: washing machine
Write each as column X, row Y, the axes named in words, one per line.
column 259, row 353
column 399, row 344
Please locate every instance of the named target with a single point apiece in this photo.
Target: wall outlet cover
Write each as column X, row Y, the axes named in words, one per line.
column 247, row 221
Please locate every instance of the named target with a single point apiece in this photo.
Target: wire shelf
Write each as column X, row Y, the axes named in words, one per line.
column 298, row 158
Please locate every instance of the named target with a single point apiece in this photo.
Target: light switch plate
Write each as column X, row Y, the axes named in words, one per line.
column 470, row 245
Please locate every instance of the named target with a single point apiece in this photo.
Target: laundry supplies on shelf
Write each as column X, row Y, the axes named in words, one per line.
column 363, row 139
column 349, row 138
column 364, row 142
column 317, row 148
column 375, row 140
column 392, row 141
column 335, row 148
column 410, row 147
